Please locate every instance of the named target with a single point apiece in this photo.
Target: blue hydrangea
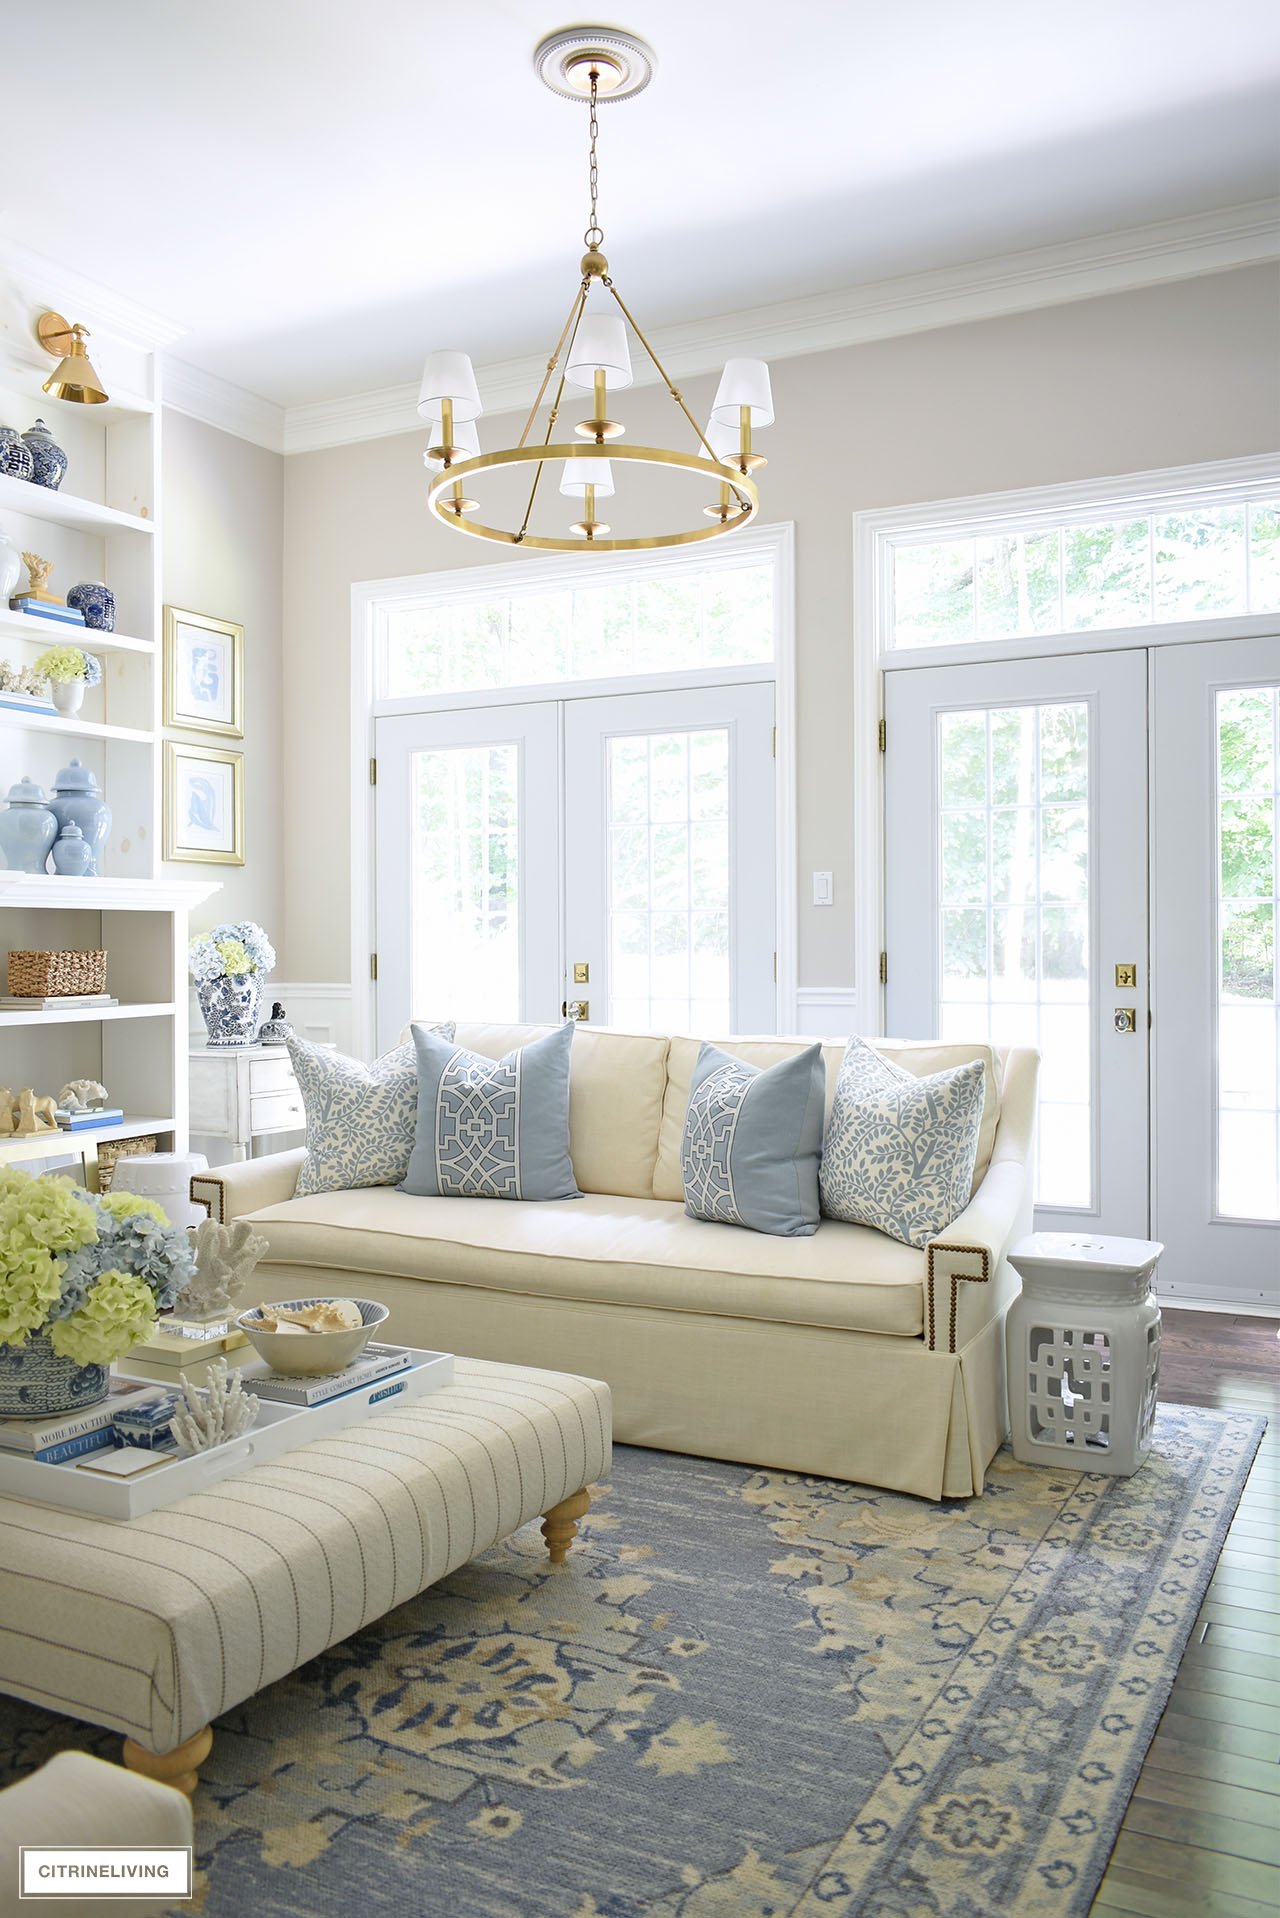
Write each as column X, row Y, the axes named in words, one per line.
column 160, row 1254
column 206, row 962
column 92, row 670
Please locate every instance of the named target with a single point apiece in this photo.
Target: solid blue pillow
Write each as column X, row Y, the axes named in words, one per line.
column 752, row 1142
column 492, row 1128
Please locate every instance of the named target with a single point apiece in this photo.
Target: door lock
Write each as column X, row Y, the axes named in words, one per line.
column 581, row 972
column 1127, row 976
column 1126, row 1019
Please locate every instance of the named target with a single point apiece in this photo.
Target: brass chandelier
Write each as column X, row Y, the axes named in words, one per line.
column 593, row 65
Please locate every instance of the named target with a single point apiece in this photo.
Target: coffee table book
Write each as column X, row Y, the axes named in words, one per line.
column 279, row 1428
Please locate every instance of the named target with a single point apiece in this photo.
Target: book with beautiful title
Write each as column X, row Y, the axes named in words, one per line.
column 376, row 1362
column 38, row 1435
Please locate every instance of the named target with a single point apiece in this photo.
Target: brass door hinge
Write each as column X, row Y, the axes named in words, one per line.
column 775, row 742
column 882, row 732
column 373, row 772
column 373, row 965
column 884, row 968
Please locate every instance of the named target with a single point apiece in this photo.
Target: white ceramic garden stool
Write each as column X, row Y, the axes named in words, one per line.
column 1083, row 1343
column 165, row 1177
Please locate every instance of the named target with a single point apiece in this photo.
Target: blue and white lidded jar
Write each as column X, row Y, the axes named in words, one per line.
column 15, row 457
column 48, row 459
column 95, row 603
column 76, row 796
column 28, row 827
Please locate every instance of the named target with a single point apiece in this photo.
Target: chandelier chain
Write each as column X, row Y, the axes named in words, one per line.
column 594, row 235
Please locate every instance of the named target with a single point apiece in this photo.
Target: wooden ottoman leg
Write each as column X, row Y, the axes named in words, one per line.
column 179, row 1768
column 560, row 1524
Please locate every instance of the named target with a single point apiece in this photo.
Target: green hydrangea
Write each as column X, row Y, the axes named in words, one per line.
column 39, row 1220
column 235, row 957
column 119, row 1312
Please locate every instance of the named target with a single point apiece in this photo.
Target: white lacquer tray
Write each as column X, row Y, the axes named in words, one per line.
column 279, row 1428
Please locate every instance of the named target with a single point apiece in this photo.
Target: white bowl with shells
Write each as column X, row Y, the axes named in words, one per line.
column 312, row 1338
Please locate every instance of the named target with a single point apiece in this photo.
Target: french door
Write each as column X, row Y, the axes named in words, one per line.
column 1016, row 853
column 611, row 856
column 1042, row 817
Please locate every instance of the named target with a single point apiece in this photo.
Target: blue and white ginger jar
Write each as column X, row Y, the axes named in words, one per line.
column 37, row 1383
column 48, row 459
column 15, row 458
column 232, row 1007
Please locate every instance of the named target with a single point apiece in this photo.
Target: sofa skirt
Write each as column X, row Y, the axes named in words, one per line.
column 863, row 1407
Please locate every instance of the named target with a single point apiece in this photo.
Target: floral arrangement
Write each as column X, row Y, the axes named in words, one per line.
column 230, row 951
column 90, row 1269
column 63, row 663
column 21, row 679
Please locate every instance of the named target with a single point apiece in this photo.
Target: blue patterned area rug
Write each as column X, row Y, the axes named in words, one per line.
column 745, row 1695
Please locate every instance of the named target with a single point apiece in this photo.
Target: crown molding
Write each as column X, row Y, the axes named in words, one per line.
column 41, row 283
column 218, row 402
column 949, row 296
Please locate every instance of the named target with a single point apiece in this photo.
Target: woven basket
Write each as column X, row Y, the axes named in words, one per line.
column 48, row 975
column 112, row 1149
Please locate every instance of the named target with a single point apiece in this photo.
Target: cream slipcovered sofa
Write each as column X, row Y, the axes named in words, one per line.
column 845, row 1354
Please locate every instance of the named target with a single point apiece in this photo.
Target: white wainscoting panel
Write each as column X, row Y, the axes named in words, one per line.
column 826, row 1012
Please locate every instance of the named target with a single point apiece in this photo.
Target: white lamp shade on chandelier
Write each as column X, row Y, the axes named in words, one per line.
column 600, row 346
column 466, row 443
column 723, row 440
column 743, row 383
column 579, row 474
column 449, row 376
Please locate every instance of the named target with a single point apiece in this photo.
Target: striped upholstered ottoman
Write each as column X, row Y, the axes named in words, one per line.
column 155, row 1625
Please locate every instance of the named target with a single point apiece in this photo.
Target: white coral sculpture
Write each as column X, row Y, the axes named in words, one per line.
column 216, row 1413
column 225, row 1256
column 81, row 1093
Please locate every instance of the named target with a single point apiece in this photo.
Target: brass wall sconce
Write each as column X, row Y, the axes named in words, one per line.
column 75, row 376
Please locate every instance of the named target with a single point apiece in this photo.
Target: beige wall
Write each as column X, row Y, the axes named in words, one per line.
column 223, row 508
column 1161, row 377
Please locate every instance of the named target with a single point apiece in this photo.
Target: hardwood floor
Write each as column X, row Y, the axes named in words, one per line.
column 1202, row 1832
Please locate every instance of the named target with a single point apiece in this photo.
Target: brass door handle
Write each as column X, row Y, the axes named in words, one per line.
column 575, row 1009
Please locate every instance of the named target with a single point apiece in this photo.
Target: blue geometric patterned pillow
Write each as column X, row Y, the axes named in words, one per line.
column 360, row 1118
column 492, row 1128
column 900, row 1151
column 751, row 1142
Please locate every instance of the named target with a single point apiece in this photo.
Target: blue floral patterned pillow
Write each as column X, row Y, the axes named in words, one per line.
column 751, row 1142
column 900, row 1151
column 360, row 1118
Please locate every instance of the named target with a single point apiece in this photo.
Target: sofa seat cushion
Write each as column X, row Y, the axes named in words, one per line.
column 607, row 1250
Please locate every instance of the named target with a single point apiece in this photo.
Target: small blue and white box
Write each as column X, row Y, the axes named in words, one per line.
column 148, row 1424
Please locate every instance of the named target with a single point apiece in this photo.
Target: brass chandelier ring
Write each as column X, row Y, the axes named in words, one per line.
column 742, row 486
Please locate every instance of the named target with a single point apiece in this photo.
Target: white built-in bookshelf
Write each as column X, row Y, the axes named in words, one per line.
column 102, row 524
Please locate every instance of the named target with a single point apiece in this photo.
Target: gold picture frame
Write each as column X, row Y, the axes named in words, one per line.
column 203, row 809
column 203, row 673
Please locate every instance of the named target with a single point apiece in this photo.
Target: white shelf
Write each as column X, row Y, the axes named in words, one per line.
column 52, row 1145
column 76, row 727
column 86, row 1015
column 103, row 895
column 64, row 509
column 52, row 632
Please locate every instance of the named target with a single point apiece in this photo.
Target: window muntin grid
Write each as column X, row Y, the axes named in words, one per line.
column 668, row 875
column 464, row 854
column 1013, row 911
column 1247, row 792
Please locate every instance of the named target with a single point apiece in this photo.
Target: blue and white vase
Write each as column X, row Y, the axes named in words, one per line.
column 15, row 458
column 48, row 459
column 37, row 1383
column 232, row 1008
column 96, row 603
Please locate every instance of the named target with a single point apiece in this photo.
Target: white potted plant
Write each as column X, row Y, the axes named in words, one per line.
column 230, row 966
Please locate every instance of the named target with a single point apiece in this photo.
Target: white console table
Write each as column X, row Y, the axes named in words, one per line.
column 240, row 1093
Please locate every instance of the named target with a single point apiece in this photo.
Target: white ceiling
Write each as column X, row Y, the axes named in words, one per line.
column 319, row 191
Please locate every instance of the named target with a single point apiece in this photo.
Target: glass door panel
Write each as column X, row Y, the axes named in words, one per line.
column 1009, row 900
column 468, row 866
column 670, row 856
column 1248, row 782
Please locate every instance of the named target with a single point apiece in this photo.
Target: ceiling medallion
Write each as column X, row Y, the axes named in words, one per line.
column 595, row 65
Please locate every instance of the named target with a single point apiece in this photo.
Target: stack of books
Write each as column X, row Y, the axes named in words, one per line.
column 58, row 1002
column 53, row 609
column 375, row 1362
column 84, row 1118
column 173, row 1352
column 26, row 702
column 53, row 1441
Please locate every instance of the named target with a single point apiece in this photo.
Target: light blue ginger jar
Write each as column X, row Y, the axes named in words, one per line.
column 232, row 1007
column 96, row 603
column 76, row 796
column 15, row 457
column 49, row 462
column 28, row 827
column 37, row 1383
column 72, row 853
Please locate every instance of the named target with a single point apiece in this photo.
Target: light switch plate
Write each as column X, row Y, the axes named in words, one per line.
column 823, row 888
